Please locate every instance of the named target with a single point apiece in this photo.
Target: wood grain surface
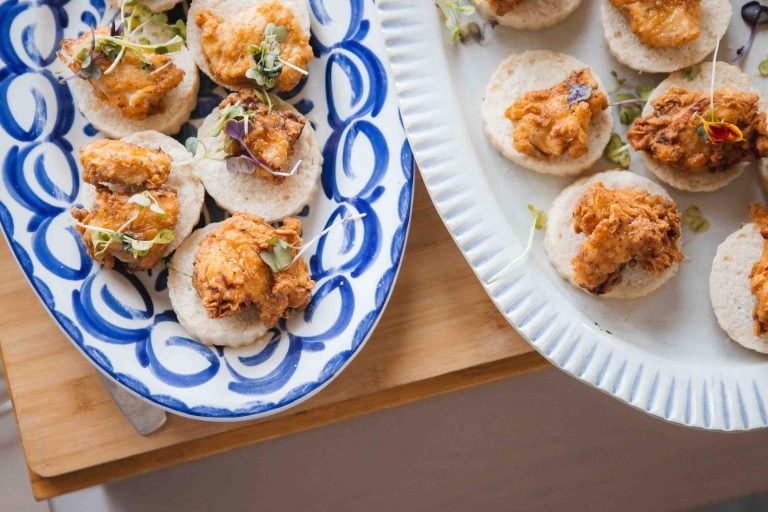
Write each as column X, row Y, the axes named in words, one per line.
column 439, row 333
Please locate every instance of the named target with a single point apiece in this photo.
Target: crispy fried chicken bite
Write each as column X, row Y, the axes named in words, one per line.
column 623, row 227
column 271, row 136
column 502, row 7
column 116, row 162
column 662, row 23
column 229, row 273
column 225, row 43
column 546, row 126
column 758, row 278
column 136, row 87
column 119, row 222
column 673, row 133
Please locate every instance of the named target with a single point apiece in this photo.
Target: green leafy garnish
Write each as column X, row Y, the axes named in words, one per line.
column 266, row 55
column 763, row 67
column 102, row 238
column 229, row 113
column 617, row 151
column 281, row 255
column 538, row 222
column 628, row 114
column 695, row 219
column 692, row 72
column 618, row 82
column 644, row 91
column 146, row 199
column 539, row 218
column 452, row 12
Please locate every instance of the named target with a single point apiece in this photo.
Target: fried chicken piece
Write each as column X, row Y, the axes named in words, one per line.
column 673, row 134
column 229, row 274
column 116, row 162
column 502, row 7
column 225, row 43
column 271, row 135
column 547, row 127
column 758, row 278
column 112, row 211
column 623, row 227
column 662, row 23
column 136, row 87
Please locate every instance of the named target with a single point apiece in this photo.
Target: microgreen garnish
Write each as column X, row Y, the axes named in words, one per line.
column 146, row 199
column 452, row 11
column 692, row 72
column 754, row 14
column 695, row 219
column 631, row 104
column 618, row 82
column 266, row 55
column 246, row 164
column 617, row 151
column 191, row 143
column 281, row 257
column 538, row 222
column 763, row 67
column 716, row 131
column 578, row 93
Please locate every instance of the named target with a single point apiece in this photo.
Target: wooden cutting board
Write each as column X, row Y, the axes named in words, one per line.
column 439, row 333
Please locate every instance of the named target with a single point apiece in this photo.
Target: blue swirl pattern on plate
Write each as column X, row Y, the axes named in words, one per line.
column 123, row 322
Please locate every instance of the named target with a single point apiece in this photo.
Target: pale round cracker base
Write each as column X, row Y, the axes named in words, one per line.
column 727, row 74
column 530, row 71
column 230, row 331
column 732, row 300
column 531, row 14
column 627, row 48
column 562, row 244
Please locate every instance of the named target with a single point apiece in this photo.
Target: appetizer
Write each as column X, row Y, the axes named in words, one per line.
column 547, row 112
column 527, row 14
column 231, row 281
column 135, row 75
column 697, row 140
column 258, row 155
column 738, row 283
column 261, row 43
column 141, row 199
column 656, row 36
column 614, row 235
column 152, row 5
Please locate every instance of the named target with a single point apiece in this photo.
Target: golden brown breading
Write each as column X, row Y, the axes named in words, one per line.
column 672, row 133
column 225, row 43
column 229, row 274
column 502, row 7
column 113, row 211
column 662, row 23
column 271, row 134
column 547, row 127
column 758, row 278
column 120, row 163
column 137, row 88
column 623, row 227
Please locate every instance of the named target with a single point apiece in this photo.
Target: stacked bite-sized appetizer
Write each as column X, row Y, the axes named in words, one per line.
column 527, row 14
column 661, row 36
column 255, row 154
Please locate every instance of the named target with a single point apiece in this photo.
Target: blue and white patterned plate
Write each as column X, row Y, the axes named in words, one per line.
column 123, row 323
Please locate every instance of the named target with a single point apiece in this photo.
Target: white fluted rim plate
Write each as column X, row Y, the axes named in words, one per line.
column 664, row 354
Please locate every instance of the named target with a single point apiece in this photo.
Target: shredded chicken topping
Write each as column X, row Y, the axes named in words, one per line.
column 502, row 7
column 758, row 278
column 623, row 227
column 271, row 136
column 225, row 43
column 673, row 133
column 121, row 163
column 662, row 23
column 136, row 88
column 230, row 275
column 546, row 126
column 119, row 170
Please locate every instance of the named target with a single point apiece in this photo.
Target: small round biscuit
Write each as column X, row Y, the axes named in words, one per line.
column 232, row 331
column 152, row 5
column 727, row 74
column 562, row 243
column 630, row 51
column 732, row 300
column 531, row 14
column 228, row 9
column 249, row 192
column 189, row 190
column 529, row 71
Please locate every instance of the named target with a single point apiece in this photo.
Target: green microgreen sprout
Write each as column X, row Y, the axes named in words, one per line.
column 695, row 219
column 691, row 73
column 452, row 12
column 266, row 55
column 762, row 68
column 538, row 223
column 617, row 151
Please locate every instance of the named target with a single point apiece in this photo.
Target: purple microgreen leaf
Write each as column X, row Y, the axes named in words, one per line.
column 578, row 92
column 236, row 130
column 240, row 165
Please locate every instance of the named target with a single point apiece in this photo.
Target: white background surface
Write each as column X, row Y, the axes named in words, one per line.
column 538, row 442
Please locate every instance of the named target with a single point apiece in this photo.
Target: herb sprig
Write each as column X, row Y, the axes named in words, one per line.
column 538, row 223
column 617, row 151
column 266, row 55
column 452, row 12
